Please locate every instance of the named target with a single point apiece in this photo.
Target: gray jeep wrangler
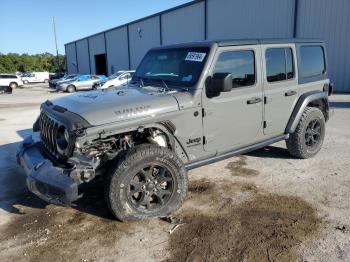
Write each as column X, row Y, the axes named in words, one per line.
column 187, row 105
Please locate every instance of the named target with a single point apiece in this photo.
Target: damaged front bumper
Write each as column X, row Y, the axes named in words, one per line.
column 49, row 182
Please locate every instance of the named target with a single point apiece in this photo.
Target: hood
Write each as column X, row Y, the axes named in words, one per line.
column 103, row 107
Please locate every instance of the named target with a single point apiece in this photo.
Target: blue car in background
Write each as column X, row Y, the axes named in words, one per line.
column 83, row 82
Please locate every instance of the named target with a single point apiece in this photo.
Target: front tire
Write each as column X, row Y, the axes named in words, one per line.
column 71, row 89
column 147, row 181
column 308, row 137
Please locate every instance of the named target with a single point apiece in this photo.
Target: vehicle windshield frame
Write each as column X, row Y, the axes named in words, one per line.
column 181, row 82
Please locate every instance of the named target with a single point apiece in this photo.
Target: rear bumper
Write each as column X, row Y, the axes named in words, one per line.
column 45, row 180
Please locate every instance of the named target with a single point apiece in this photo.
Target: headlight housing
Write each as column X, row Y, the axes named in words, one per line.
column 62, row 139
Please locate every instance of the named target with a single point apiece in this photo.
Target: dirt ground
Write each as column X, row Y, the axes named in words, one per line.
column 262, row 206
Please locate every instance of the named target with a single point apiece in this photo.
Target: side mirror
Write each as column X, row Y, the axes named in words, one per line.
column 219, row 82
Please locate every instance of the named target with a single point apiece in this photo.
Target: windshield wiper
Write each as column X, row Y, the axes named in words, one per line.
column 139, row 80
column 166, row 88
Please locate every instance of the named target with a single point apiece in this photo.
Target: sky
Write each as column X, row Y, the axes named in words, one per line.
column 26, row 26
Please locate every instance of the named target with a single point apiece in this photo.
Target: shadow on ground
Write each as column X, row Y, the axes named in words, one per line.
column 271, row 152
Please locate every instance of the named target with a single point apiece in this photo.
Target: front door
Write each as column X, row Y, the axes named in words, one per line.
column 234, row 119
column 280, row 86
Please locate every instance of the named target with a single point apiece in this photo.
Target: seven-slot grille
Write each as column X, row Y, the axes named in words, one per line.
column 48, row 132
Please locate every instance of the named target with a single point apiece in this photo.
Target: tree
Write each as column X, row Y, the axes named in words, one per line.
column 13, row 62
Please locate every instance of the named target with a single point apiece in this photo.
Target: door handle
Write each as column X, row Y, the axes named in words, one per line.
column 254, row 101
column 290, row 93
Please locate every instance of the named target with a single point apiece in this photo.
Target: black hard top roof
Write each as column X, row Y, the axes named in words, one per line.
column 236, row 42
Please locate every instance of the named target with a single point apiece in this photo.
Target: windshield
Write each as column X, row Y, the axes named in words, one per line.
column 71, row 77
column 177, row 66
column 115, row 75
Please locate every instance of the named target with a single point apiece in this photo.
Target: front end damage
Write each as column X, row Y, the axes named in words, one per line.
column 73, row 147
column 49, row 182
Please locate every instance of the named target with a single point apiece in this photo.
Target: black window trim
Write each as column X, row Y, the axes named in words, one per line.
column 285, row 64
column 309, row 79
column 238, row 50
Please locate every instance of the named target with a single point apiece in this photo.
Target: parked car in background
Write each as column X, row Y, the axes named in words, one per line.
column 55, row 82
column 10, row 80
column 121, row 78
column 83, row 82
column 36, row 77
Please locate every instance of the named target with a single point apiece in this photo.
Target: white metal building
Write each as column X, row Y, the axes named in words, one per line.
column 124, row 46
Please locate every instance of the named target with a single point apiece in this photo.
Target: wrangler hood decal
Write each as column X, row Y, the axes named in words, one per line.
column 102, row 107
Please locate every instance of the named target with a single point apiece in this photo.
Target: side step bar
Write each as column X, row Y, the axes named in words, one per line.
column 235, row 152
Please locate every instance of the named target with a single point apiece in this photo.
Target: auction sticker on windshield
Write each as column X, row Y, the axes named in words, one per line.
column 196, row 57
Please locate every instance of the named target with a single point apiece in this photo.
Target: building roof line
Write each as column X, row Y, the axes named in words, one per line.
column 139, row 20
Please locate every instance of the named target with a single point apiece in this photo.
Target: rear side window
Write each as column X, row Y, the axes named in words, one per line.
column 312, row 61
column 8, row 76
column 279, row 64
column 241, row 64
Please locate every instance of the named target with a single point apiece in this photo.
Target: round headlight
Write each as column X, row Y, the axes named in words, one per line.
column 62, row 138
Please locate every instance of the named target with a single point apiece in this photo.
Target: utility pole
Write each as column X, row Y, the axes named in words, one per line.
column 54, row 31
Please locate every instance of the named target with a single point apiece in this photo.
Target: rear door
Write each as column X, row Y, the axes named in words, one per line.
column 234, row 118
column 280, row 86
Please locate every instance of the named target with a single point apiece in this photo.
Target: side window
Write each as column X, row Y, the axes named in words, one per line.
column 312, row 62
column 241, row 64
column 279, row 64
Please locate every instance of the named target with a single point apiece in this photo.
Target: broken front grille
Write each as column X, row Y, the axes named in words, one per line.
column 48, row 133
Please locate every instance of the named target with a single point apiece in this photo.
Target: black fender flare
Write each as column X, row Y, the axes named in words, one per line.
column 300, row 106
column 168, row 128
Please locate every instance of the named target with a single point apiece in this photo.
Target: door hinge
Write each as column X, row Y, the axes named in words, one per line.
column 204, row 140
column 203, row 112
column 265, row 124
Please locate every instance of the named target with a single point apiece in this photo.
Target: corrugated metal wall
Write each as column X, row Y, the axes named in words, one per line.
column 183, row 25
column 329, row 20
column 143, row 36
column 83, row 56
column 97, row 46
column 250, row 19
column 224, row 19
column 117, row 50
column 71, row 58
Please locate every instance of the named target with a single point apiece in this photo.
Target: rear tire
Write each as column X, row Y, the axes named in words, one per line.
column 146, row 181
column 13, row 85
column 71, row 89
column 308, row 137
